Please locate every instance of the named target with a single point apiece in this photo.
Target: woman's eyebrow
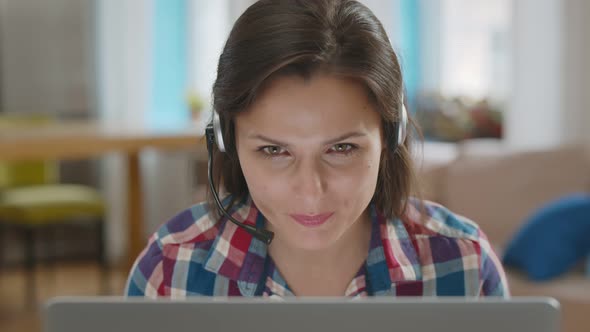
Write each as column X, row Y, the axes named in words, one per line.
column 330, row 141
column 267, row 139
column 346, row 136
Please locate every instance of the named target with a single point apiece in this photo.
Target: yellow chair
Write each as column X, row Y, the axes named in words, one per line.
column 32, row 201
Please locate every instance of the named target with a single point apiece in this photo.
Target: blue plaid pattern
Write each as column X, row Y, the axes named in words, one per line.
column 443, row 254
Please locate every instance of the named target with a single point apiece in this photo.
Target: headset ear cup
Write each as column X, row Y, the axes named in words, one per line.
column 398, row 133
column 393, row 136
column 218, row 132
column 403, row 126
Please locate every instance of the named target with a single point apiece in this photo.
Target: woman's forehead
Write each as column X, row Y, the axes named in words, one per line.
column 321, row 102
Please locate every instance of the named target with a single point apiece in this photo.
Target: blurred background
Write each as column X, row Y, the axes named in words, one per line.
column 103, row 104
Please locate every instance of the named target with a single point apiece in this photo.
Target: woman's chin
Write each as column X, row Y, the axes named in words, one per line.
column 310, row 242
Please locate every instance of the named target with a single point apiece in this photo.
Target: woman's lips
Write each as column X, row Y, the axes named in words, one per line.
column 311, row 220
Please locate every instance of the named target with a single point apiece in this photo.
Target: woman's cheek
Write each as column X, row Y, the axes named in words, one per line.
column 269, row 189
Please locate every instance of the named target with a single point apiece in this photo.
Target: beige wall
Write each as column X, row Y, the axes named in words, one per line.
column 46, row 59
column 577, row 70
column 550, row 102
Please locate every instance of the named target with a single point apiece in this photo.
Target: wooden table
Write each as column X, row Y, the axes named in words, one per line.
column 80, row 140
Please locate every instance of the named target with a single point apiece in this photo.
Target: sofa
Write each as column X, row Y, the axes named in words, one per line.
column 499, row 187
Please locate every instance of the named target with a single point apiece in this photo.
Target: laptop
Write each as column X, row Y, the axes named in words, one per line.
column 302, row 315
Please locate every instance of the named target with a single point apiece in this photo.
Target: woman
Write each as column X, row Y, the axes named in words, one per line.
column 309, row 98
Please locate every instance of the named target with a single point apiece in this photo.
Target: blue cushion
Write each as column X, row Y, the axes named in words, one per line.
column 553, row 239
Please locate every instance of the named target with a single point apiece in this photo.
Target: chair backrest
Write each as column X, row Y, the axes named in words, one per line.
column 26, row 173
column 499, row 190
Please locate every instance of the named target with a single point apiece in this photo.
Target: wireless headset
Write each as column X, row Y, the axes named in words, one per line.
column 214, row 135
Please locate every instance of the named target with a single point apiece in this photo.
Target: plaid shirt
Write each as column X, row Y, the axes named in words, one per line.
column 192, row 255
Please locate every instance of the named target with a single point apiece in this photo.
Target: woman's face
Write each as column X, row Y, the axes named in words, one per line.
column 310, row 153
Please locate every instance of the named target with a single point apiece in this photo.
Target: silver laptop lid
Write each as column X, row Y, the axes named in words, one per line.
column 303, row 314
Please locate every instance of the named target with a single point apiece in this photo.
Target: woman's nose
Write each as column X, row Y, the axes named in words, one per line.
column 309, row 180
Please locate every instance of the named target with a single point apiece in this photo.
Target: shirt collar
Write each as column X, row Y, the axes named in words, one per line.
column 239, row 256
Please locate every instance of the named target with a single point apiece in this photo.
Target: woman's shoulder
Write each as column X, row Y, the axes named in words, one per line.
column 194, row 224
column 423, row 217
column 456, row 242
column 186, row 237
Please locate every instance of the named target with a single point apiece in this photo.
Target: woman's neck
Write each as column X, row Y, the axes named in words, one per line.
column 325, row 272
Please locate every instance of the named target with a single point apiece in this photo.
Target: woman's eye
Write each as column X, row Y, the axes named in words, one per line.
column 342, row 148
column 272, row 150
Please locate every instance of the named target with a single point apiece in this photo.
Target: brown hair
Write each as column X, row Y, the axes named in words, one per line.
column 341, row 37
